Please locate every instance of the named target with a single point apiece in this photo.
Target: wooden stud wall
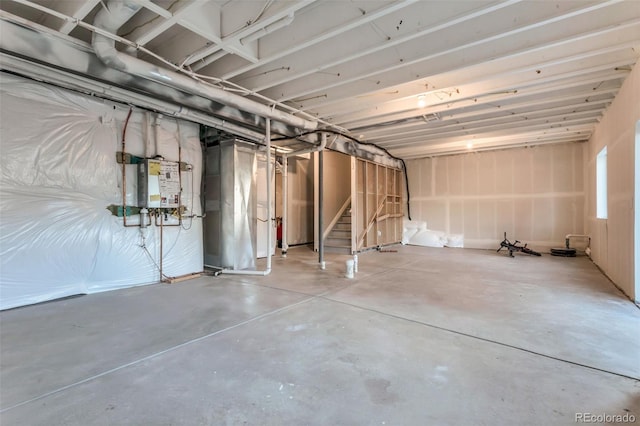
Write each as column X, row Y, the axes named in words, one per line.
column 378, row 209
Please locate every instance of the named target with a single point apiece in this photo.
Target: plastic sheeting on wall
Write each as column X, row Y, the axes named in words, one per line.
column 58, row 174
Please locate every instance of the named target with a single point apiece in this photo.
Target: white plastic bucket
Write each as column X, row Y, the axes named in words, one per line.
column 349, row 273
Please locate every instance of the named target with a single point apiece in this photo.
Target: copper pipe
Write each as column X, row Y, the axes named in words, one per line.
column 161, row 226
column 179, row 174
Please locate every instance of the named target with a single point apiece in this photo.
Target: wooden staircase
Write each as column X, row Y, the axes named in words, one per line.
column 339, row 238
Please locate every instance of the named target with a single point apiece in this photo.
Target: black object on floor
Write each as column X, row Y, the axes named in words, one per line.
column 564, row 252
column 515, row 247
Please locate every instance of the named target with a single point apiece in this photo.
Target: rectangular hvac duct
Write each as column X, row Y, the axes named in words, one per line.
column 230, row 205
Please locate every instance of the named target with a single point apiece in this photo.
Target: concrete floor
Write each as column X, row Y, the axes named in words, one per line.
column 420, row 337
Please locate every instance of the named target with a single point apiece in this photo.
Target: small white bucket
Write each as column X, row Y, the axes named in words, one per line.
column 349, row 273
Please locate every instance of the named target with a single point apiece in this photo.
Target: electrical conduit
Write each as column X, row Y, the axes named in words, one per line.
column 321, row 205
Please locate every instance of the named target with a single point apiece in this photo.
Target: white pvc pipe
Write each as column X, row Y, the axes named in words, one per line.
column 568, row 237
column 119, row 12
column 243, row 272
column 321, row 206
column 269, row 194
column 285, row 195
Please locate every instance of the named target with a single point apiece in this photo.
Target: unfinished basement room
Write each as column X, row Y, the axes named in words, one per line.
column 319, row 212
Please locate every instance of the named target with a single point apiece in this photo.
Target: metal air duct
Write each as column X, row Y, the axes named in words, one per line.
column 117, row 13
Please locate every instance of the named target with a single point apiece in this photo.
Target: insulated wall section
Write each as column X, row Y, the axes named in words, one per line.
column 58, row 176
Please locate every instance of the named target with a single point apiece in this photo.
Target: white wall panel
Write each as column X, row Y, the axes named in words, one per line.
column 413, row 174
column 544, row 217
column 486, row 218
column 505, row 216
column 541, row 165
column 523, row 219
column 425, row 187
column 456, row 216
column 439, row 179
column 612, row 238
column 565, row 223
column 470, row 219
column 534, row 194
column 487, row 179
column 436, row 211
column 470, row 175
column 522, row 176
column 453, row 169
column 504, row 172
column 563, row 176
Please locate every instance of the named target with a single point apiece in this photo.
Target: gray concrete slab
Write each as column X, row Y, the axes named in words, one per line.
column 327, row 363
column 298, row 272
column 304, row 346
column 55, row 344
column 561, row 307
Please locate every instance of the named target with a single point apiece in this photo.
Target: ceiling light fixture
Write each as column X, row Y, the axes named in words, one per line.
column 469, row 145
column 421, row 101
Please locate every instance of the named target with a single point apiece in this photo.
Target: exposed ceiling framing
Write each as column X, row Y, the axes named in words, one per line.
column 418, row 78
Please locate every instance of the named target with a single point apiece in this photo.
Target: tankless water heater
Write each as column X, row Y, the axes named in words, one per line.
column 158, row 184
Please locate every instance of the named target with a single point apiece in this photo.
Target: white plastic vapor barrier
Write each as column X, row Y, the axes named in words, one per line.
column 58, row 175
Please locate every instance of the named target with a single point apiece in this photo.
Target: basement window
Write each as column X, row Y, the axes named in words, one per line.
column 601, row 184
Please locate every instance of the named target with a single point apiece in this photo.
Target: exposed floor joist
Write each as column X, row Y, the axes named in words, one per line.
column 363, row 67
